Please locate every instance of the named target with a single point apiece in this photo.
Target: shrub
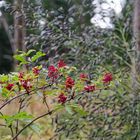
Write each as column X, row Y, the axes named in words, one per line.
column 58, row 89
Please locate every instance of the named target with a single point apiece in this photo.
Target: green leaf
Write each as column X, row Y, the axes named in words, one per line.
column 69, row 109
column 36, row 128
column 21, row 58
column 37, row 55
column 22, row 116
column 5, row 93
column 19, row 116
column 78, row 109
column 30, row 51
column 58, row 107
column 4, row 78
column 81, row 111
column 8, row 119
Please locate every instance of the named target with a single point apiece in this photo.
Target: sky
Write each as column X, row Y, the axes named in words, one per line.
column 102, row 11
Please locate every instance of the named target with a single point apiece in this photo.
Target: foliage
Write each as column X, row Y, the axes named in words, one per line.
column 62, row 29
column 67, row 34
column 79, row 106
column 58, row 88
column 90, row 101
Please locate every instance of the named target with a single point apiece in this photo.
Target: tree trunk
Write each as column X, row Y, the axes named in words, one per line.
column 19, row 26
column 136, row 32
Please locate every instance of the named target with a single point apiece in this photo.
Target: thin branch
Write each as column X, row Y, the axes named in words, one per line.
column 3, row 125
column 44, row 100
column 41, row 116
column 20, row 107
column 7, row 102
column 12, row 132
column 48, row 113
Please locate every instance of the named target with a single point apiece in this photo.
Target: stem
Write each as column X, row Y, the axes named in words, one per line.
column 3, row 125
column 41, row 116
column 21, row 95
column 12, row 133
column 17, row 122
column 12, row 99
column 44, row 100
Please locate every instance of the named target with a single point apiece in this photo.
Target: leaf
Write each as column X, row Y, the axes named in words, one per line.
column 37, row 55
column 8, row 119
column 69, row 109
column 78, row 109
column 19, row 116
column 30, row 51
column 21, row 58
column 22, row 116
column 36, row 128
column 58, row 107
column 4, row 78
column 5, row 93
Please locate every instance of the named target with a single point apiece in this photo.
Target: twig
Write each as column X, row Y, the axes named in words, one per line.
column 41, row 116
column 20, row 96
column 12, row 99
column 3, row 125
column 11, row 130
column 20, row 107
column 44, row 100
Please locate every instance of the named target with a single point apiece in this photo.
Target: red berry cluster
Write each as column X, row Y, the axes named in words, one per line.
column 107, row 78
column 20, row 76
column 69, row 83
column 25, row 83
column 53, row 71
column 83, row 77
column 36, row 71
column 9, row 86
column 61, row 64
column 89, row 88
column 62, row 98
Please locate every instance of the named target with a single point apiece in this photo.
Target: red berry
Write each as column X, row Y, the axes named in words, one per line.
column 69, row 82
column 21, row 74
column 62, row 98
column 26, row 84
column 52, row 72
column 107, row 78
column 36, row 70
column 61, row 64
column 89, row 88
column 9, row 86
column 83, row 76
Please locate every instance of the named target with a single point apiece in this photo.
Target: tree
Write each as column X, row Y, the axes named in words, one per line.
column 136, row 31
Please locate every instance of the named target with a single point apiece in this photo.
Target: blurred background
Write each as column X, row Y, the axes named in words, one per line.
column 84, row 33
